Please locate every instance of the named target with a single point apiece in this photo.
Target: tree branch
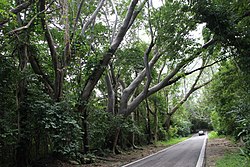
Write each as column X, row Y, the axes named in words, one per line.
column 77, row 17
column 100, row 68
column 30, row 22
column 16, row 10
column 21, row 7
column 93, row 16
column 116, row 19
column 135, row 83
column 148, row 71
column 38, row 70
column 165, row 82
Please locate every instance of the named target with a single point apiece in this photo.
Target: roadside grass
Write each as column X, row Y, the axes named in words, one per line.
column 230, row 159
column 233, row 160
column 214, row 135
column 171, row 142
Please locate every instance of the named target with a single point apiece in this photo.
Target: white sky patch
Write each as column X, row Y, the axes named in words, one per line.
column 156, row 3
column 197, row 34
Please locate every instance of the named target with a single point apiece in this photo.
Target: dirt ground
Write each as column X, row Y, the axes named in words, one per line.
column 125, row 157
column 216, row 148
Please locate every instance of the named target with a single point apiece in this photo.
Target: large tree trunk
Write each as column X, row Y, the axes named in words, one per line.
column 111, row 95
column 155, row 122
column 85, row 131
column 148, row 126
column 22, row 150
column 117, row 133
column 167, row 122
column 133, row 134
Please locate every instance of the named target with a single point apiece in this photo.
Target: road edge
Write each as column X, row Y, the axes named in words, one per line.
column 201, row 159
column 154, row 153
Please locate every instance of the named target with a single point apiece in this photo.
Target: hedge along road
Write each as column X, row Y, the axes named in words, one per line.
column 189, row 153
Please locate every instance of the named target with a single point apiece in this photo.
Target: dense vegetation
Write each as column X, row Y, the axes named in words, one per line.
column 89, row 77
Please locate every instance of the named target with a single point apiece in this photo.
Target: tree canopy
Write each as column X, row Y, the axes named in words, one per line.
column 80, row 77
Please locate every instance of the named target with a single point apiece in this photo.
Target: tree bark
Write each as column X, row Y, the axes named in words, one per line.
column 182, row 101
column 22, row 150
column 111, row 95
column 85, row 131
column 148, row 125
column 101, row 67
column 117, row 133
column 58, row 65
column 167, row 122
column 155, row 121
column 126, row 109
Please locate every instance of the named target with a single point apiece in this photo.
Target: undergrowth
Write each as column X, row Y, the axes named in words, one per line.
column 171, row 141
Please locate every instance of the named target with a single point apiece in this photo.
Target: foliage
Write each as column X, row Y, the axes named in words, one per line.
column 8, row 128
column 214, row 135
column 230, row 103
column 230, row 90
column 103, row 128
column 182, row 122
column 173, row 29
column 171, row 141
column 55, row 124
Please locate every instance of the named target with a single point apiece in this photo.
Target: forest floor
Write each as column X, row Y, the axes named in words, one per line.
column 216, row 148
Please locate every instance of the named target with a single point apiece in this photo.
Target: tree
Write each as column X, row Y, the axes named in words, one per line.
column 42, row 20
column 228, row 22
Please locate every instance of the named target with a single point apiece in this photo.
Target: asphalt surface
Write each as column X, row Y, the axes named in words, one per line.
column 184, row 154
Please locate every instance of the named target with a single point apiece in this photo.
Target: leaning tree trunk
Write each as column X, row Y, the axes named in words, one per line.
column 167, row 122
column 84, row 112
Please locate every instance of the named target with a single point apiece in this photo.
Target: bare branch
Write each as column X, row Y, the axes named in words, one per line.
column 93, row 16
column 77, row 17
column 148, row 108
column 146, row 55
column 98, row 71
column 148, row 73
column 165, row 82
column 16, row 10
column 21, row 7
column 135, row 13
column 30, row 22
column 135, row 83
column 116, row 19
column 161, row 70
column 38, row 70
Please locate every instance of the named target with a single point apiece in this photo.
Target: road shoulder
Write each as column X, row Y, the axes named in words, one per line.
column 216, row 149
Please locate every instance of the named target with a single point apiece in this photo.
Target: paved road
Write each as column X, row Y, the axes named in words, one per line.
column 184, row 154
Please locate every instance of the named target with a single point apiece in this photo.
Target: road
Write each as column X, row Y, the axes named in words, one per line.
column 184, row 154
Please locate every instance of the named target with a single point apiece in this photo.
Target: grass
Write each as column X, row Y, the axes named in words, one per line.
column 214, row 135
column 171, row 142
column 233, row 160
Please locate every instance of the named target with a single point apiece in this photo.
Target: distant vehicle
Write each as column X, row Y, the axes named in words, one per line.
column 201, row 132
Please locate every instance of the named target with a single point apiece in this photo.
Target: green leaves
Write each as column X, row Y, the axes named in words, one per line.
column 229, row 98
column 173, row 23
